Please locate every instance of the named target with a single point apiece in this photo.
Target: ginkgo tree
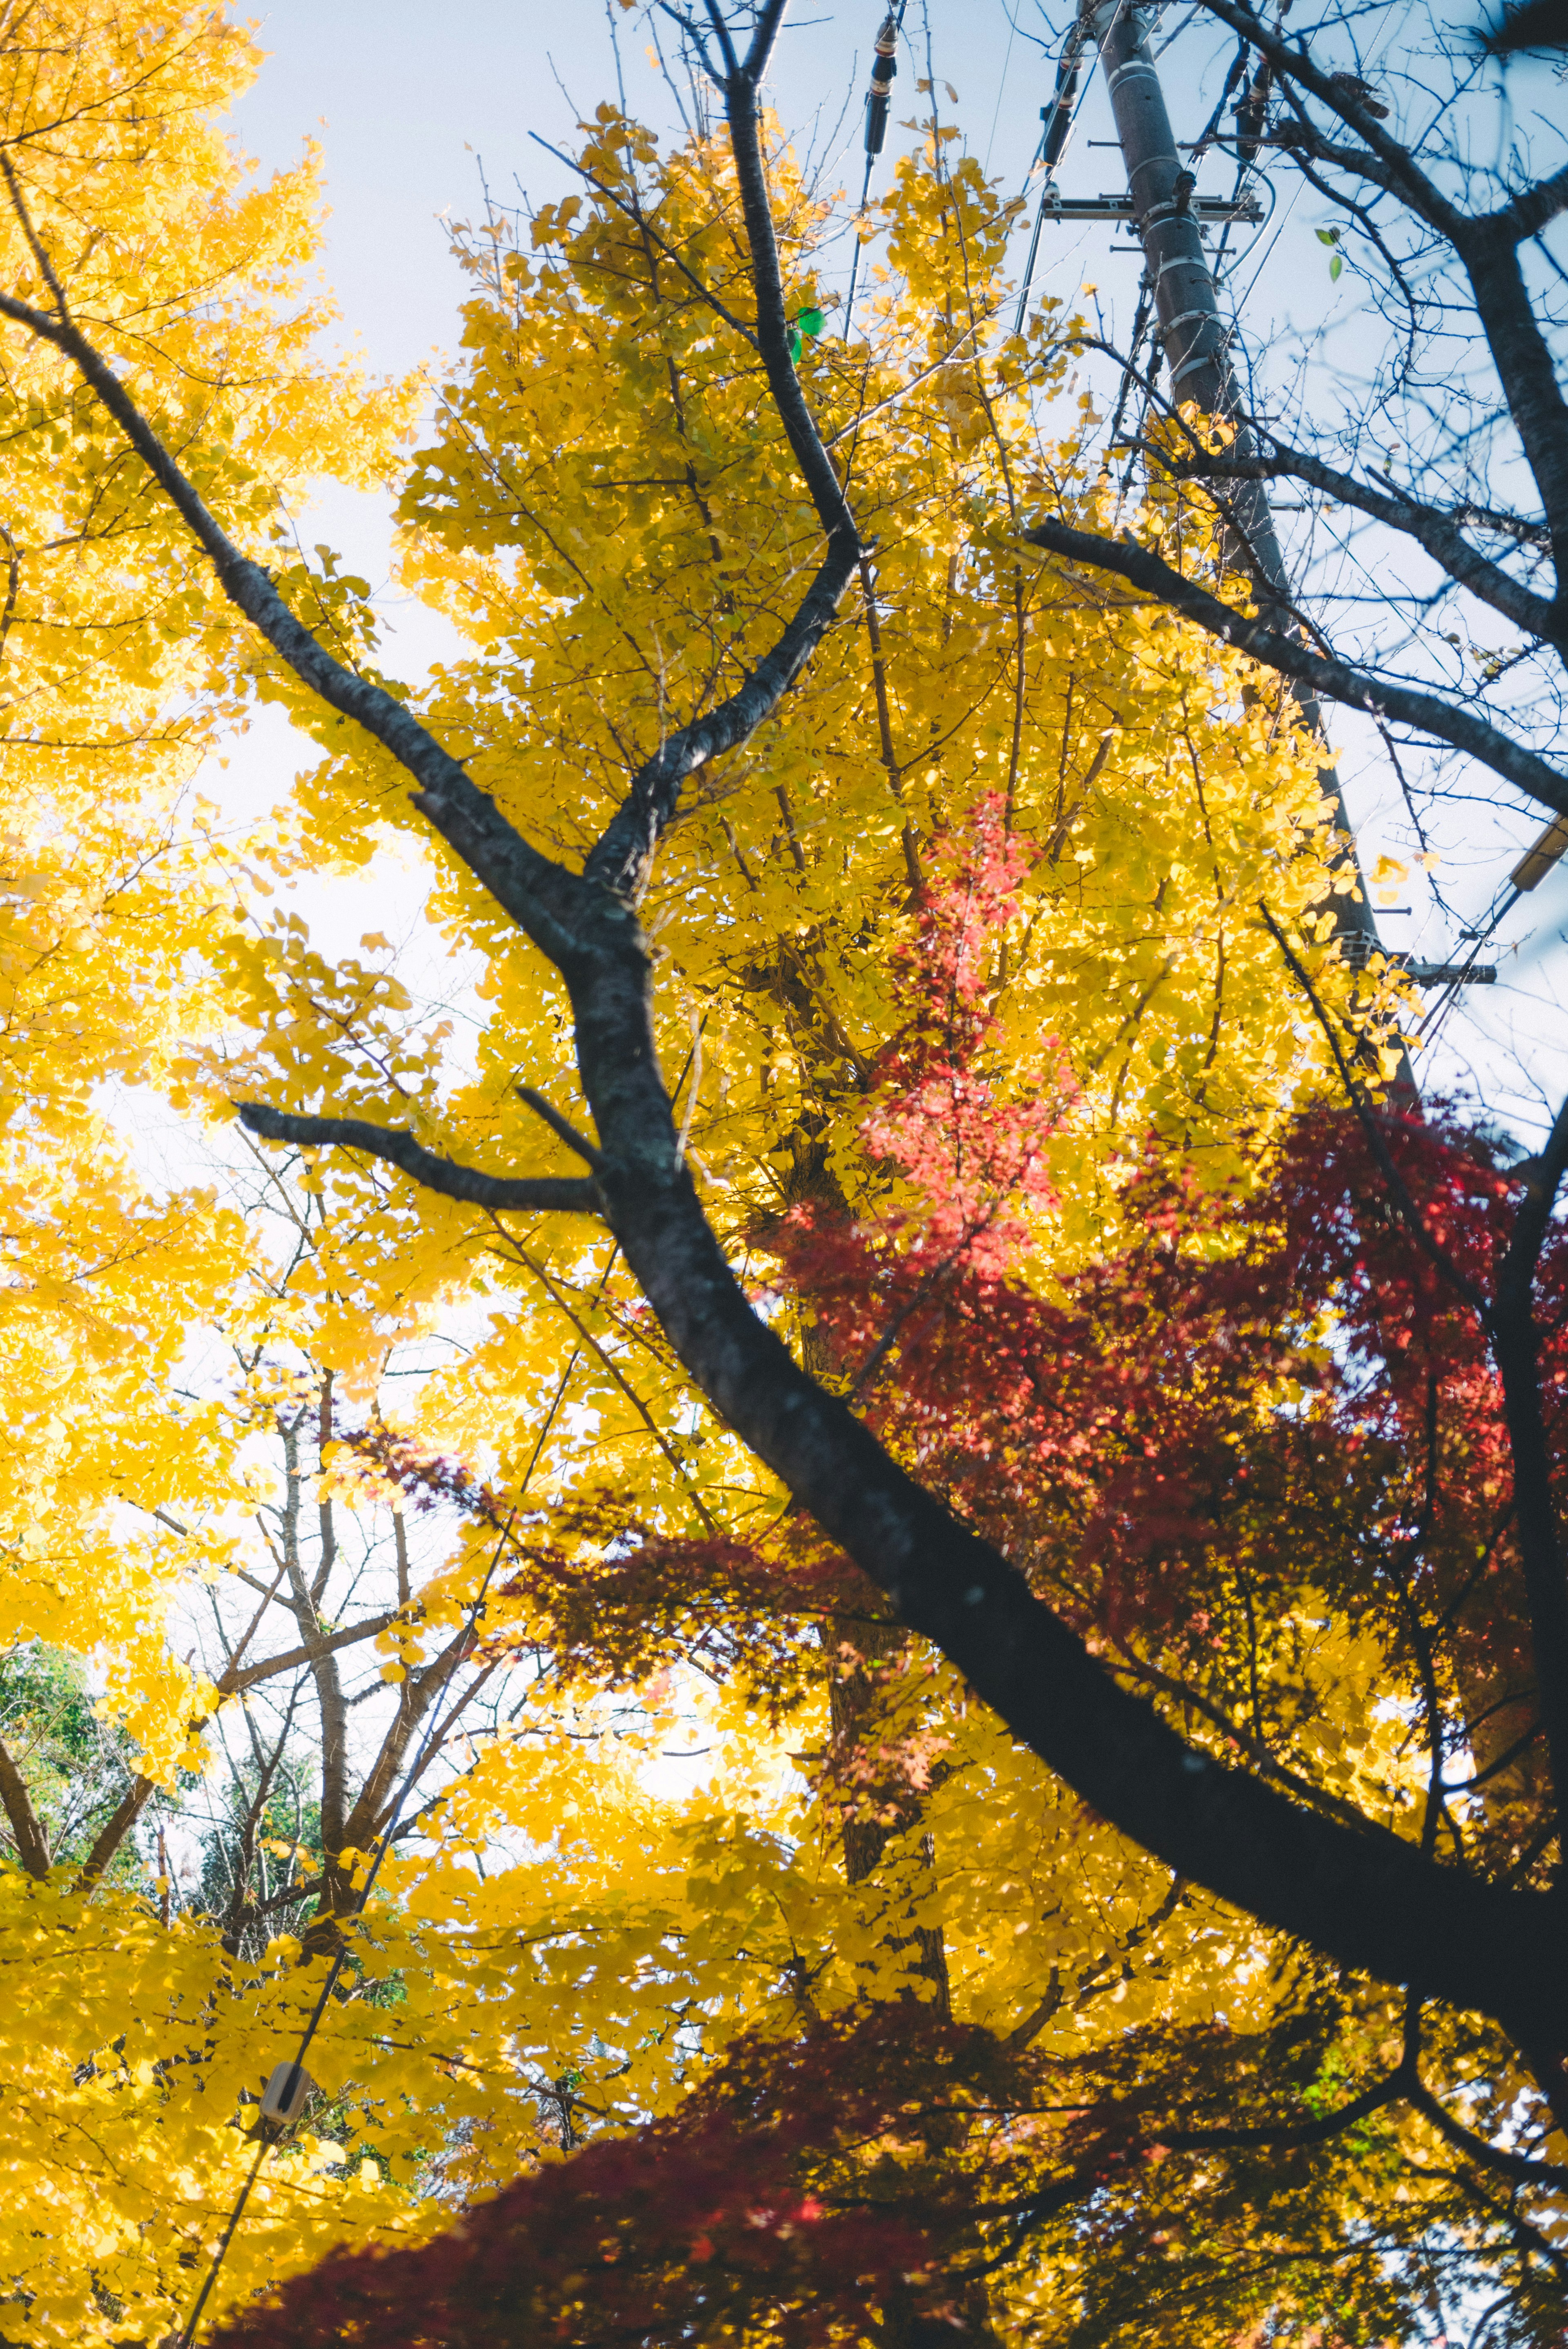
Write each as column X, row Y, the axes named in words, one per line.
column 125, row 1466
column 940, row 959
column 114, row 889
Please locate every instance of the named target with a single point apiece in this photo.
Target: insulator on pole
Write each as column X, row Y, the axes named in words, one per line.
column 1056, row 124
column 1057, row 118
column 284, row 2097
column 1538, row 860
column 1250, row 110
column 879, row 99
column 1445, row 974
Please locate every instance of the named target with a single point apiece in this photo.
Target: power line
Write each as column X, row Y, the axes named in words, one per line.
column 1540, row 858
column 1057, row 121
column 288, row 2093
column 1001, row 91
column 288, row 2089
column 879, row 98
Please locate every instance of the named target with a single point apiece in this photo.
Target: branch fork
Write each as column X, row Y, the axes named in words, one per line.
column 1360, row 1895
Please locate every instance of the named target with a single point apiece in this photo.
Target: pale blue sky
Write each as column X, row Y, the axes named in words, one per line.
column 412, row 98
column 407, row 101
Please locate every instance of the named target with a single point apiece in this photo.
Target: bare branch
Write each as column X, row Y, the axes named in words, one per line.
column 1335, row 680
column 1431, row 528
column 575, row 1195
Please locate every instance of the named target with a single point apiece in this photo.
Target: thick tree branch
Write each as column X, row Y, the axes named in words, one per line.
column 32, row 1842
column 1335, row 680
column 565, row 916
column 240, row 1905
column 575, row 1195
column 1289, row 2133
column 1534, row 208
column 1362, row 1896
column 1385, row 159
column 542, row 898
column 1525, row 366
column 1494, row 2156
column 318, row 1656
column 1435, row 531
column 621, row 857
column 420, row 1692
column 1488, row 245
column 1516, row 1348
column 131, row 1808
column 231, row 1682
column 1402, row 2085
column 1348, row 1890
column 309, row 1653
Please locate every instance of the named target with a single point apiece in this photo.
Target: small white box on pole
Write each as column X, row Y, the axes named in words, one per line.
column 282, row 2099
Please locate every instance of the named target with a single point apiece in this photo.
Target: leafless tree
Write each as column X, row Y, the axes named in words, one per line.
column 1448, row 453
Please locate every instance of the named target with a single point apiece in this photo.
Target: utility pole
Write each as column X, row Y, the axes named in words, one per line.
column 1196, row 346
column 1169, row 217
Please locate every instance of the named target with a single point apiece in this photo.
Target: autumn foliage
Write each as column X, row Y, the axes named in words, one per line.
column 1258, row 1453
column 732, row 1972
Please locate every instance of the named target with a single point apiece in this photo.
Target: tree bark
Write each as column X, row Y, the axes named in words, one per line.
column 1359, row 1896
column 32, row 1842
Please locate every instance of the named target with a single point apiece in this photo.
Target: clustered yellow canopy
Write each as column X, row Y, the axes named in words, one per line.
column 603, row 506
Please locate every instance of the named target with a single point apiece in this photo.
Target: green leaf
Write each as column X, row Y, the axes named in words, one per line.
column 1327, row 237
column 810, row 322
column 1334, row 266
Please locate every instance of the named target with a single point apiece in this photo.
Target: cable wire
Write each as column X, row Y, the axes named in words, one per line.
column 1001, row 91
column 384, row 1840
column 1058, row 121
column 1139, row 328
column 1263, row 184
column 879, row 99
